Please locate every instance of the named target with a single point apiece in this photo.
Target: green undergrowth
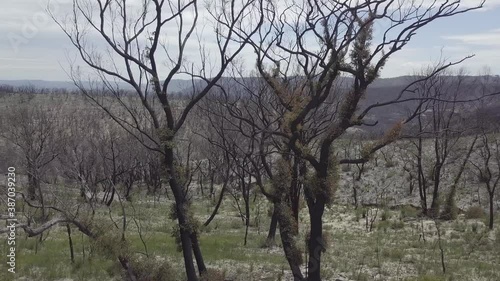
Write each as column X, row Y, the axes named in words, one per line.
column 397, row 248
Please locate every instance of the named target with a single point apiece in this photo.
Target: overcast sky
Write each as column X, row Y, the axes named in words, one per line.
column 33, row 47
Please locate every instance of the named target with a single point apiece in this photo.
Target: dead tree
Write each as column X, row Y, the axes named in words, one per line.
column 79, row 161
column 302, row 50
column 486, row 157
column 442, row 127
column 32, row 126
column 489, row 170
column 133, row 53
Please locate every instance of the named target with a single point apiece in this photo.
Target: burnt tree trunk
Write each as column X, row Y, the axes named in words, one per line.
column 434, row 210
column 316, row 245
column 70, row 241
column 271, row 235
column 185, row 229
column 33, row 182
column 422, row 183
column 287, row 234
column 491, row 195
column 112, row 196
column 299, row 172
column 217, row 206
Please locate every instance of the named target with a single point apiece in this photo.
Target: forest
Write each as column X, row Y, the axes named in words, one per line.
column 305, row 166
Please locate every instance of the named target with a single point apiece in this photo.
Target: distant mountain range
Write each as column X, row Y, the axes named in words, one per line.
column 176, row 85
column 180, row 84
column 382, row 90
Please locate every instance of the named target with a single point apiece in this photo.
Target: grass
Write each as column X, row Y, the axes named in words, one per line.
column 394, row 250
column 475, row 212
column 50, row 260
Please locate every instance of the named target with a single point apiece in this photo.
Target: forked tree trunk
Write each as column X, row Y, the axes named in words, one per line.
column 434, row 210
column 70, row 241
column 212, row 184
column 32, row 181
column 316, row 202
column 316, row 244
column 449, row 212
column 188, row 237
column 246, row 198
column 287, row 234
column 112, row 196
column 217, row 206
column 299, row 172
column 491, row 195
column 200, row 181
column 271, row 235
column 422, row 183
column 197, row 253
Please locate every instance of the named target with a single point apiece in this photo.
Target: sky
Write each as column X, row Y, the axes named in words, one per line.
column 33, row 47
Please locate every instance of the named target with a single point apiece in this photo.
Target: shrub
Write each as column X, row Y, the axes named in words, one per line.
column 152, row 269
column 383, row 225
column 450, row 211
column 497, row 239
column 360, row 276
column 393, row 253
column 454, row 235
column 475, row 212
column 360, row 213
column 213, row 275
column 385, row 215
column 475, row 226
column 264, row 243
column 408, row 211
column 398, row 225
column 391, row 174
column 111, row 245
column 206, row 229
column 460, row 227
column 235, row 224
column 346, row 168
column 429, row 277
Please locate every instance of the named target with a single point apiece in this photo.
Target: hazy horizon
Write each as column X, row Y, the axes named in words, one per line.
column 35, row 48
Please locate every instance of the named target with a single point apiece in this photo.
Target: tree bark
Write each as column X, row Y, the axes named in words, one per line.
column 287, row 234
column 434, row 211
column 197, row 253
column 112, row 196
column 32, row 182
column 271, row 235
column 70, row 241
column 422, row 184
column 181, row 210
column 217, row 206
column 315, row 244
column 491, row 210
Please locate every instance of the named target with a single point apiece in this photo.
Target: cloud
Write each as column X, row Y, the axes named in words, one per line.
column 41, row 48
column 411, row 60
column 489, row 38
column 488, row 4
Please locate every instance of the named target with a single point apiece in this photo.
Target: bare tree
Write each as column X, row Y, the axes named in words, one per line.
column 489, row 170
column 32, row 125
column 439, row 136
column 486, row 157
column 131, row 52
column 79, row 161
column 303, row 49
column 440, row 128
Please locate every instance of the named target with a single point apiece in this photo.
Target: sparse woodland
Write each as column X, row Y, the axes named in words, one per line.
column 299, row 167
